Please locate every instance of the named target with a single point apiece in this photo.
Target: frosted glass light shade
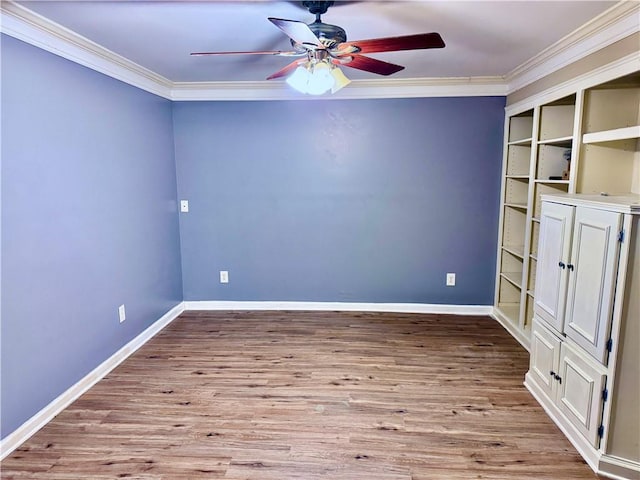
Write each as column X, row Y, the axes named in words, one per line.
column 317, row 78
column 340, row 80
column 320, row 80
column 299, row 79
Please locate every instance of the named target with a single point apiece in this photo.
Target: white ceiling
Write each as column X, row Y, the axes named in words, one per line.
column 483, row 38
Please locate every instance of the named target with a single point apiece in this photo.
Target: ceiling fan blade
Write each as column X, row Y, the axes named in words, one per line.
column 372, row 65
column 299, row 32
column 283, row 72
column 394, row 44
column 265, row 52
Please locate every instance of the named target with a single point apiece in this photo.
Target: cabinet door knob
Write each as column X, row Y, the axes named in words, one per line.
column 561, row 265
column 552, row 373
column 570, row 267
column 558, row 378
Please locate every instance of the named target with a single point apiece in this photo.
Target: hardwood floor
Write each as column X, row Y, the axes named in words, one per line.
column 309, row 395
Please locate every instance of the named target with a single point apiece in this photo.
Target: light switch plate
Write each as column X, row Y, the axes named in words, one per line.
column 184, row 206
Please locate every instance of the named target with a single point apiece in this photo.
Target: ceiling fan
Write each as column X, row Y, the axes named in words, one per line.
column 322, row 47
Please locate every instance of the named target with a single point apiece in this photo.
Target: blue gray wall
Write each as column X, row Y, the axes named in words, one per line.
column 363, row 201
column 367, row 201
column 89, row 221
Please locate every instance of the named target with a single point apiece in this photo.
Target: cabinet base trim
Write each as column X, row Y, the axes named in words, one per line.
column 584, row 448
column 618, row 468
column 514, row 330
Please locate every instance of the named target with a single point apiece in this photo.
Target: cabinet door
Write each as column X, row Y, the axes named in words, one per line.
column 545, row 358
column 592, row 277
column 580, row 391
column 553, row 254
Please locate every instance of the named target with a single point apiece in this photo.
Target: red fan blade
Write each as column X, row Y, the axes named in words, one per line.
column 372, row 65
column 266, row 52
column 283, row 72
column 393, row 44
column 299, row 32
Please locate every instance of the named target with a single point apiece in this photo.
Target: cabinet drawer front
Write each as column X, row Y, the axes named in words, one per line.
column 553, row 255
column 580, row 391
column 545, row 357
column 594, row 266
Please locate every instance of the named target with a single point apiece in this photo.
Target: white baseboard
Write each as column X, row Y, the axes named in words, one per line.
column 342, row 306
column 618, row 468
column 513, row 331
column 44, row 416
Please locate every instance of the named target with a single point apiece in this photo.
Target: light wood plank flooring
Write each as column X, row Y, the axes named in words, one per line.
column 300, row 395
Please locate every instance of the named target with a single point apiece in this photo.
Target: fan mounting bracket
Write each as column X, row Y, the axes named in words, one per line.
column 317, row 8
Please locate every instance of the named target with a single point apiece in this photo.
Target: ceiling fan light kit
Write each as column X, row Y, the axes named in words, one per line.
column 326, row 46
column 317, row 78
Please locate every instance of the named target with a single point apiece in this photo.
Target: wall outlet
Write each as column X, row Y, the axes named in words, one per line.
column 224, row 276
column 184, row 206
column 122, row 315
column 451, row 279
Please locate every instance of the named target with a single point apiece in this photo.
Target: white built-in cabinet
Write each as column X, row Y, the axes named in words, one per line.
column 586, row 299
column 577, row 266
column 568, row 261
column 584, row 142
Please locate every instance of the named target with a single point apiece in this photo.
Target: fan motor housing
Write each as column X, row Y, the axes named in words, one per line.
column 329, row 35
column 325, row 31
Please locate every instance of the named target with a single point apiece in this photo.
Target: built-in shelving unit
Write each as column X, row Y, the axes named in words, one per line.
column 609, row 156
column 515, row 204
column 538, row 150
column 586, row 142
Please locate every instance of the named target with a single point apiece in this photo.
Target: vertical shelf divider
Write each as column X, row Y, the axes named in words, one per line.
column 533, row 166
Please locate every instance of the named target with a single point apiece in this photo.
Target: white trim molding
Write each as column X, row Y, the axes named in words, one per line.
column 511, row 328
column 618, row 468
column 616, row 23
column 375, row 88
column 44, row 416
column 21, row 23
column 619, row 68
column 342, row 307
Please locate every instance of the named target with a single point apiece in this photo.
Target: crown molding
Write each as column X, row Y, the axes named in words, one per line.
column 618, row 68
column 21, row 23
column 358, row 89
column 616, row 23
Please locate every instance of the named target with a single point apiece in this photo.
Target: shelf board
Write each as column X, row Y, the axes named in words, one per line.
column 525, row 142
column 565, row 142
column 552, row 182
column 531, row 293
column 625, row 133
column 510, row 311
column 514, row 278
column 534, row 256
column 518, row 177
column 520, row 206
column 516, row 250
column 535, row 219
